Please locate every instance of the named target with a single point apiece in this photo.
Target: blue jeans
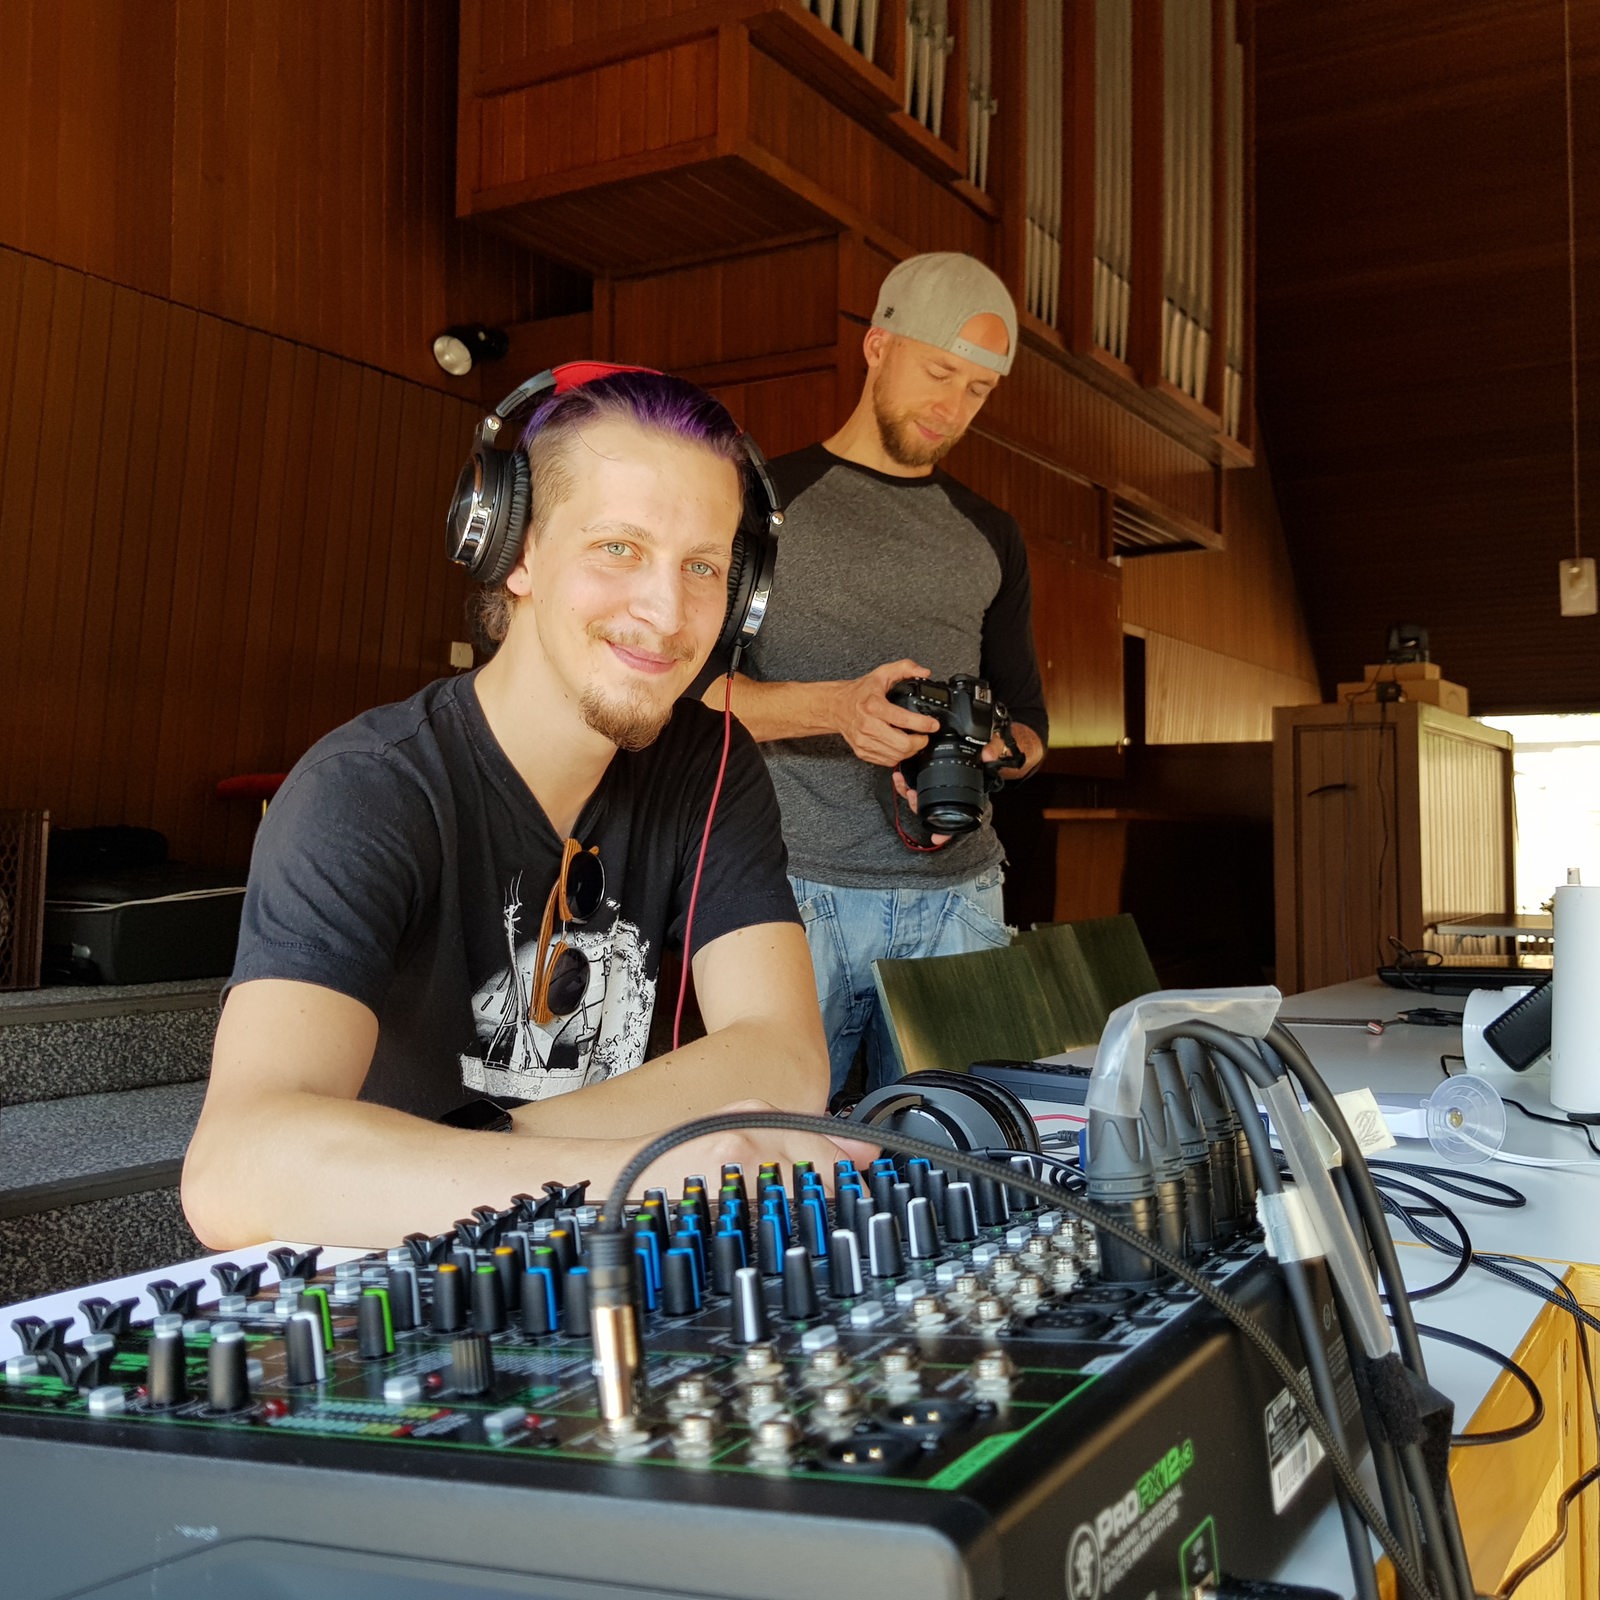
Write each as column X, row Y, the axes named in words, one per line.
column 848, row 929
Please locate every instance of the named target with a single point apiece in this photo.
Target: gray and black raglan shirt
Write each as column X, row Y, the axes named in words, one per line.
column 873, row 568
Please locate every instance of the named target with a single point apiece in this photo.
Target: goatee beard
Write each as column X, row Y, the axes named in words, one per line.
column 903, row 448
column 630, row 723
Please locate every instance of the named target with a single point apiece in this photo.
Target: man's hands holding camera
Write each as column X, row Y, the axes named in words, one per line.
column 878, row 731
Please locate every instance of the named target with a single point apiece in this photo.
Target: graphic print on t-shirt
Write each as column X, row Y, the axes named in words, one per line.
column 606, row 1034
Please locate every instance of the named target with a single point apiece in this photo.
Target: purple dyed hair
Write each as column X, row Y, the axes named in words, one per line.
column 656, row 401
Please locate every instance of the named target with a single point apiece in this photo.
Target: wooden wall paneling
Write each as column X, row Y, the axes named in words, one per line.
column 178, row 331
column 738, row 308
column 1056, row 414
column 40, row 399
column 188, row 665
column 164, row 148
column 157, row 638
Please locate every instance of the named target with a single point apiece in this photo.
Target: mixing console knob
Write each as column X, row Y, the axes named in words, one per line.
column 960, row 1213
column 509, row 1262
column 304, row 1359
column 540, row 1310
column 799, row 1287
column 294, row 1263
column 690, row 1238
column 749, row 1307
column 727, row 1257
column 471, row 1364
column 234, row 1279
column 844, row 1204
column 565, row 1245
column 733, row 1176
column 448, row 1312
column 883, row 1247
column 227, row 1368
column 938, row 1187
column 374, row 1330
column 575, row 1302
column 405, row 1304
column 488, row 1300
column 844, row 1265
column 843, row 1172
column 769, row 1246
column 167, row 1375
column 1019, row 1199
column 107, row 1316
column 991, row 1200
column 861, row 1221
column 680, row 1283
column 182, row 1299
column 922, row 1230
column 814, row 1224
column 882, row 1183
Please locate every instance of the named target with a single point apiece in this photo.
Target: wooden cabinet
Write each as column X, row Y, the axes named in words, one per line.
column 1385, row 818
column 1507, row 1494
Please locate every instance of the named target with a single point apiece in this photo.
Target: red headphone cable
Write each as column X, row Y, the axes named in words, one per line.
column 699, row 866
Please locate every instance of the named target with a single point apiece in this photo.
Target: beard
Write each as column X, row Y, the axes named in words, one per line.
column 902, row 444
column 630, row 721
column 630, row 718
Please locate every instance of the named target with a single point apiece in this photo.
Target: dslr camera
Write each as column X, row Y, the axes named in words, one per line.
column 948, row 774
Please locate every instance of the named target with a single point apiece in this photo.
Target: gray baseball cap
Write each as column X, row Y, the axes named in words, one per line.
column 932, row 297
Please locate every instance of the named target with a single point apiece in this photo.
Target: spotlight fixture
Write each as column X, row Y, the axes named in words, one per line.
column 462, row 347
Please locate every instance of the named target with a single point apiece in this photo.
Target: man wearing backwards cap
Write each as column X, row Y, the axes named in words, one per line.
column 891, row 569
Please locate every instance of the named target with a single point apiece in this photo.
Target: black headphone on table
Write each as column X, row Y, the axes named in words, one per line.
column 951, row 1109
column 490, row 510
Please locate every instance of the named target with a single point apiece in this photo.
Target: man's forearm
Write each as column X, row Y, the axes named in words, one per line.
column 1032, row 748
column 745, row 1059
column 780, row 710
column 295, row 1165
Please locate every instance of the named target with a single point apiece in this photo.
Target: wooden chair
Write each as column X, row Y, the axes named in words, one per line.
column 1049, row 990
column 1016, row 1004
column 1109, row 949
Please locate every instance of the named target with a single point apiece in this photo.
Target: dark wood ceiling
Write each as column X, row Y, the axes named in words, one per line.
column 1413, row 332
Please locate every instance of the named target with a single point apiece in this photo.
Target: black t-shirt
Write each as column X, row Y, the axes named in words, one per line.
column 405, row 863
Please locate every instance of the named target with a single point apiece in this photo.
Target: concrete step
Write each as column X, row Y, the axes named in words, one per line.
column 66, row 1041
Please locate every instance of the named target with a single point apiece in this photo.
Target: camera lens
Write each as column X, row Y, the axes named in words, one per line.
column 950, row 787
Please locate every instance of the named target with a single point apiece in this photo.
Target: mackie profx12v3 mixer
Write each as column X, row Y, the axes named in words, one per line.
column 928, row 1388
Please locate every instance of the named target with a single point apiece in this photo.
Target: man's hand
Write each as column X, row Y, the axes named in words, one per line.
column 936, row 841
column 878, row 731
column 750, row 1147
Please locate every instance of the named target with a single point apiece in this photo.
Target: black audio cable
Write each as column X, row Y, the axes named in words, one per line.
column 1409, row 1495
column 1297, row 1280
column 1435, row 1501
column 1473, row 1185
column 1409, row 1573
column 1517, row 1430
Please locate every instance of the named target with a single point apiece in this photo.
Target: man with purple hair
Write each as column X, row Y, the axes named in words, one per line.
column 393, row 959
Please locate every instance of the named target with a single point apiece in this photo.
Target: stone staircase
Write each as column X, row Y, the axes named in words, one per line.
column 99, row 1092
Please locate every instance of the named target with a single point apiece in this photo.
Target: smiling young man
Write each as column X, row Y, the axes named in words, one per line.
column 393, row 960
column 892, row 569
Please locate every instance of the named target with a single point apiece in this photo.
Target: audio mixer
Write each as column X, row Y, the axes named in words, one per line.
column 926, row 1386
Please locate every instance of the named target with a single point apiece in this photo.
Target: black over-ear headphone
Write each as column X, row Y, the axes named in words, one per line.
column 951, row 1109
column 488, row 517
